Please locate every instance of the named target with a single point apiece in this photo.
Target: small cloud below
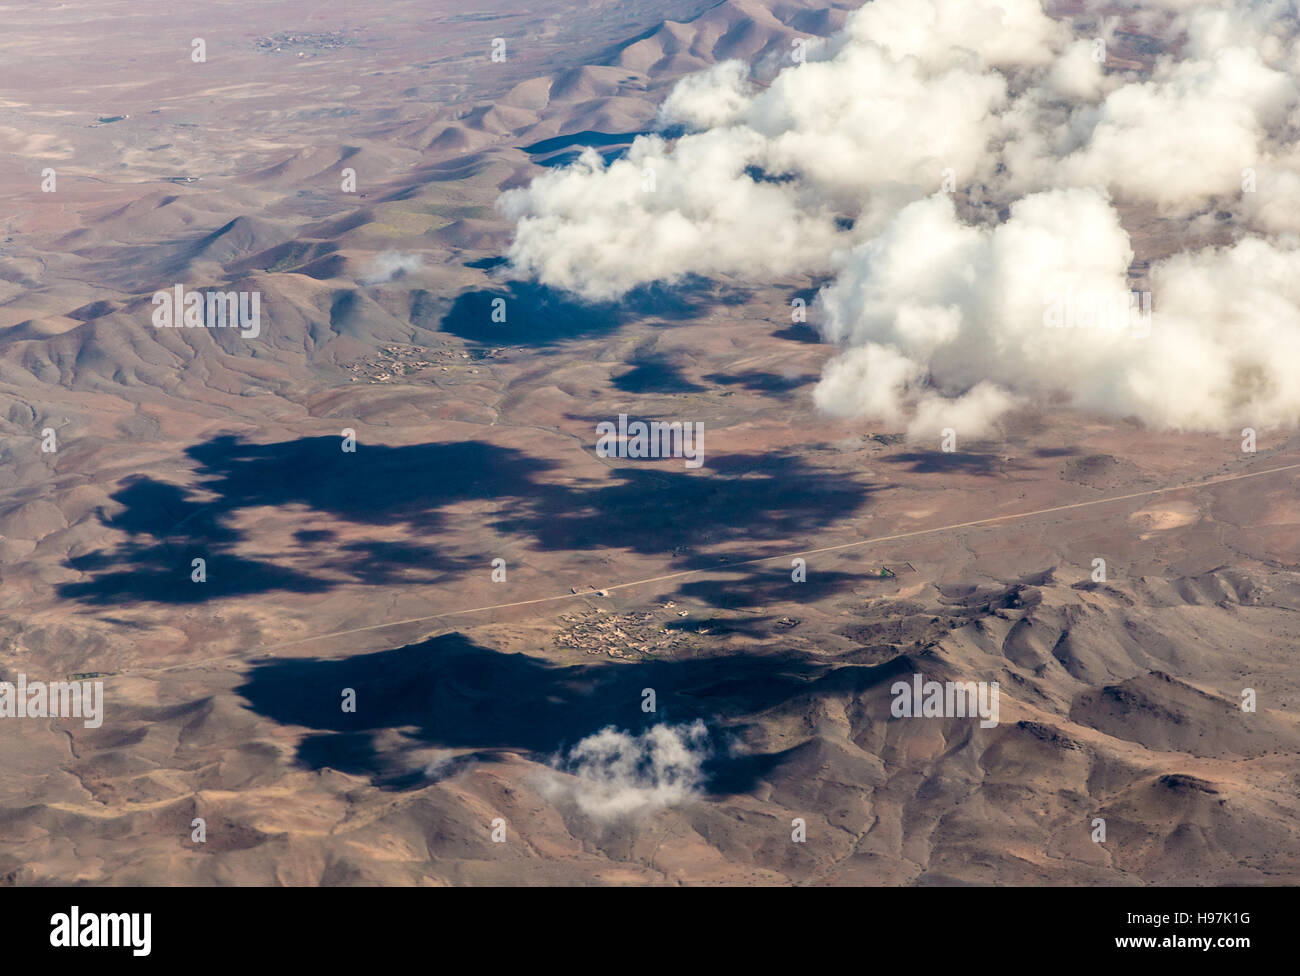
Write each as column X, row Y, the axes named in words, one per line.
column 390, row 265
column 613, row 774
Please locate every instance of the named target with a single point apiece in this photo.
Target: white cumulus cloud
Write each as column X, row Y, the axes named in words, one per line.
column 613, row 774
column 876, row 160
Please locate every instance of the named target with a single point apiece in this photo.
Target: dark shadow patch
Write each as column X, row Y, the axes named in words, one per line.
column 961, row 462
column 655, row 375
column 378, row 485
column 762, row 382
column 760, row 175
column 450, row 693
column 568, row 158
column 564, row 150
column 716, row 627
column 581, row 139
column 312, row 536
column 381, row 563
column 162, row 574
column 746, row 497
column 645, row 508
column 798, row 332
column 536, row 315
column 168, row 526
column 771, row 584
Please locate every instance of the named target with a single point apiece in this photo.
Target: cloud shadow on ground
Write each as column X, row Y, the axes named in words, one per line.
column 450, row 693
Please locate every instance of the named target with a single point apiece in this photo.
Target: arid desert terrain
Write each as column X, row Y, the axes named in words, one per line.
column 640, row 692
